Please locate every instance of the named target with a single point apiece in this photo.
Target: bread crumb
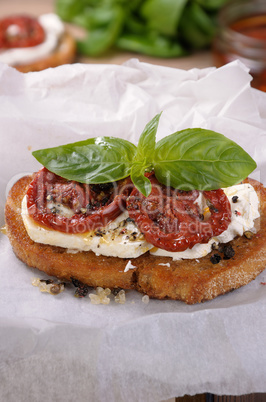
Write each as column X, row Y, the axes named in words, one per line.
column 120, row 297
column 48, row 286
column 145, row 299
column 101, row 296
column 35, row 281
column 3, row 230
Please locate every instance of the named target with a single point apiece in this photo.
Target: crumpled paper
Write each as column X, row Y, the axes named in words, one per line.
column 65, row 348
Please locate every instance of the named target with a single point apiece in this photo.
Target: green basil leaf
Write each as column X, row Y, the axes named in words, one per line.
column 143, row 160
column 147, row 141
column 96, row 160
column 211, row 5
column 101, row 37
column 135, row 25
column 196, row 27
column 163, row 15
column 67, row 9
column 203, row 20
column 200, row 159
column 151, row 44
column 140, row 181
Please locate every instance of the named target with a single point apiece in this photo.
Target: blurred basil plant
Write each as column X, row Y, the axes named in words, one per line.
column 160, row 28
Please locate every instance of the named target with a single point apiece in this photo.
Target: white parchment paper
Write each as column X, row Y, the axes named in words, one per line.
column 61, row 348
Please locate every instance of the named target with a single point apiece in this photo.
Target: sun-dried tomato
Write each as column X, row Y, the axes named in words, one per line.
column 20, row 31
column 90, row 207
column 171, row 220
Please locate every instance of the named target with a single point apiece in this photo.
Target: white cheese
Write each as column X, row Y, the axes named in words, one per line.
column 121, row 238
column 53, row 28
column 129, row 266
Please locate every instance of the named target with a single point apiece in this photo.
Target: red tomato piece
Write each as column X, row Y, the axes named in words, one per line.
column 90, row 207
column 171, row 220
column 20, row 31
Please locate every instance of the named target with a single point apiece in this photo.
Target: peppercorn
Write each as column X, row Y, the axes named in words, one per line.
column 82, row 289
column 228, row 251
column 55, row 289
column 248, row 234
column 215, row 258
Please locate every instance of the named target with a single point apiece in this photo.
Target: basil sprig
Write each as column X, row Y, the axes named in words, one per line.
column 189, row 159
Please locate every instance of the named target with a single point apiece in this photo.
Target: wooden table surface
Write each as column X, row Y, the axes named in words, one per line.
column 197, row 60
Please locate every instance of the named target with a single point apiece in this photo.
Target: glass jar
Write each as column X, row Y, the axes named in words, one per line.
column 242, row 35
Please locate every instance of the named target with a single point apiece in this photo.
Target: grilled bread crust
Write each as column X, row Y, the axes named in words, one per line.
column 192, row 281
column 64, row 53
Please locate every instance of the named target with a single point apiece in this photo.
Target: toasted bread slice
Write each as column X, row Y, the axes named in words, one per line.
column 192, row 281
column 64, row 53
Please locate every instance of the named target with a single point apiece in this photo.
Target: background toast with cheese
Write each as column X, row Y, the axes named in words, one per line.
column 64, row 53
